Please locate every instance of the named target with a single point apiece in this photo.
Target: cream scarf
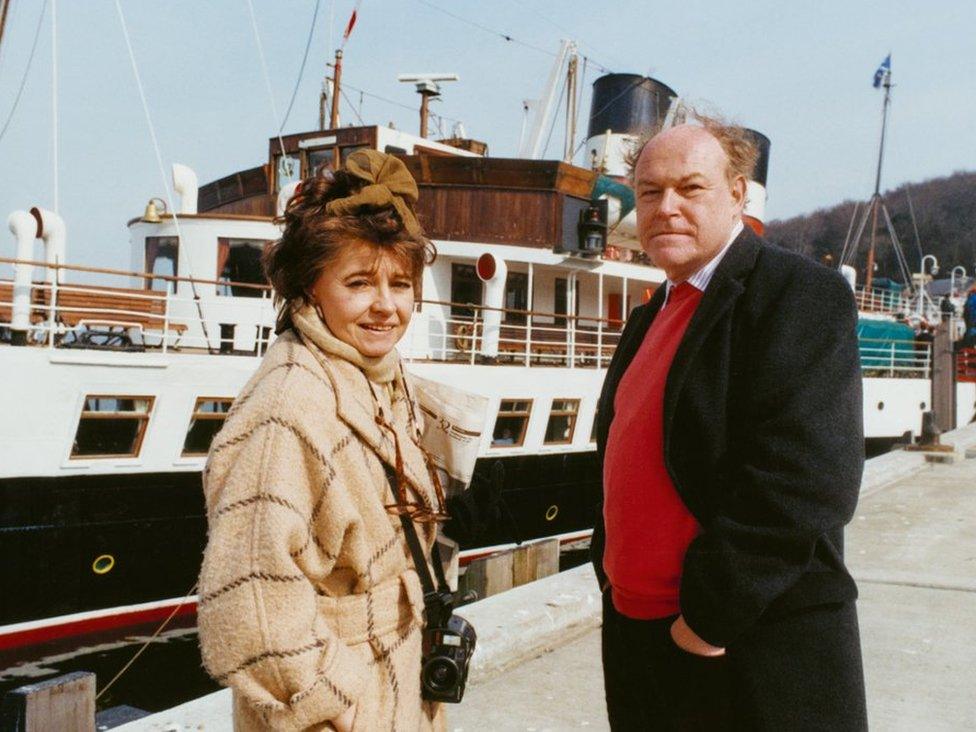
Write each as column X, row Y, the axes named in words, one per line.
column 379, row 369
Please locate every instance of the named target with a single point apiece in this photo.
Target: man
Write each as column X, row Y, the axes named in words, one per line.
column 730, row 435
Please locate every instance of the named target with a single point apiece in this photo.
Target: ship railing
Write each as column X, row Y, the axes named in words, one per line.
column 880, row 300
column 191, row 315
column 99, row 316
column 488, row 335
column 895, row 358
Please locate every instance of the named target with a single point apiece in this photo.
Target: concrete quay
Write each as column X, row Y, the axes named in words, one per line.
column 911, row 546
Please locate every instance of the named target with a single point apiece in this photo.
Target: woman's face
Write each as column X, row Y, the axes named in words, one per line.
column 366, row 298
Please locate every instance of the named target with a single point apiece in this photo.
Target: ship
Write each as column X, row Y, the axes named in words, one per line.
column 117, row 379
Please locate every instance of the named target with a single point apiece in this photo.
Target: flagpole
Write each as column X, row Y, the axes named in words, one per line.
column 884, row 125
column 876, row 197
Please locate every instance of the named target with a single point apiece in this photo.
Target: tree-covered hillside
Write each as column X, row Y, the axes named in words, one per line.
column 945, row 213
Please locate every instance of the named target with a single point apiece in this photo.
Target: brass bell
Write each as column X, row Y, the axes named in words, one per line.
column 152, row 214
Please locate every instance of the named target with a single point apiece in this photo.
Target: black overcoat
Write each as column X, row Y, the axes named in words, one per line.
column 762, row 439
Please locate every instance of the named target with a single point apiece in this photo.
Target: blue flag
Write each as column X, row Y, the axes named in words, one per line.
column 883, row 71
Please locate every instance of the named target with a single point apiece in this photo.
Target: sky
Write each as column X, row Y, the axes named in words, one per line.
column 799, row 72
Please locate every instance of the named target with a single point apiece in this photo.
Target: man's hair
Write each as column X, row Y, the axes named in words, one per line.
column 735, row 140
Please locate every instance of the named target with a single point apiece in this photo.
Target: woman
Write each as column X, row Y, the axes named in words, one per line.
column 310, row 609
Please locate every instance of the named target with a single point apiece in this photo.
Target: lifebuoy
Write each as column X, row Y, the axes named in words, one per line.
column 462, row 337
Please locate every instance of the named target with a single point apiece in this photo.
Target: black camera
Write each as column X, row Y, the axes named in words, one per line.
column 448, row 644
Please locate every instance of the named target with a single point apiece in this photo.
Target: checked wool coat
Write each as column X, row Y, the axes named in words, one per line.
column 309, row 602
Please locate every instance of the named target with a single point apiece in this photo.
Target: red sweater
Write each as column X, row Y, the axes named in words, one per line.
column 648, row 527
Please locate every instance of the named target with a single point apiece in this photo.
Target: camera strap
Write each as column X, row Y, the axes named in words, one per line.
column 413, row 542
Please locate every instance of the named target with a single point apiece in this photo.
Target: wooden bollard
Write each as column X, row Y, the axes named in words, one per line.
column 63, row 703
column 511, row 568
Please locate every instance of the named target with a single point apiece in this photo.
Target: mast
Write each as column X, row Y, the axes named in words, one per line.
column 876, row 196
column 336, row 88
column 571, row 74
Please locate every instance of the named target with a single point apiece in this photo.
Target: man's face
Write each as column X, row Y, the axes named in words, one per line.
column 686, row 207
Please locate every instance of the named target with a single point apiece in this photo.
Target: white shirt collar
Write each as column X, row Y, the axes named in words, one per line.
column 700, row 279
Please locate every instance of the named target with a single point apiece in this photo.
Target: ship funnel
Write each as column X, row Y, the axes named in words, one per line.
column 624, row 106
column 185, row 183
column 754, row 213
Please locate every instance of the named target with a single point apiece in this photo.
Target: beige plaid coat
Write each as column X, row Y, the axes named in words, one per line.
column 309, row 602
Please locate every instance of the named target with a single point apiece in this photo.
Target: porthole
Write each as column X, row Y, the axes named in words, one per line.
column 552, row 512
column 880, row 406
column 103, row 564
column 922, row 406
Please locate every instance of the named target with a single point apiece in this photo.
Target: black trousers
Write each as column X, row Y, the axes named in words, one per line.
column 795, row 672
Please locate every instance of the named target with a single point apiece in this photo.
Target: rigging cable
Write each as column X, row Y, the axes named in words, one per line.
column 911, row 210
column 562, row 29
column 267, row 77
column 352, row 106
column 393, row 102
column 500, row 34
column 23, row 81
column 162, row 170
column 555, row 116
column 301, row 71
column 145, row 645
column 847, row 239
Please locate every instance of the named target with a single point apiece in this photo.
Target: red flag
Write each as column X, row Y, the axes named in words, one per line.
column 352, row 22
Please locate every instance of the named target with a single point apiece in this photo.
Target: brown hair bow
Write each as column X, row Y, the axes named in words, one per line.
column 389, row 184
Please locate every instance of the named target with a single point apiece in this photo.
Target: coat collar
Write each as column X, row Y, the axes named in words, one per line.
column 726, row 286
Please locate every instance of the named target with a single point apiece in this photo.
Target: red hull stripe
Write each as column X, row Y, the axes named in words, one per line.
column 57, row 630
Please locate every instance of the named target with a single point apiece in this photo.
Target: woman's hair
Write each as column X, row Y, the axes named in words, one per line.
column 312, row 239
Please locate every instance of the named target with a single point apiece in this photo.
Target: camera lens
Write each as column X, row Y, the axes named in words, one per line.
column 441, row 674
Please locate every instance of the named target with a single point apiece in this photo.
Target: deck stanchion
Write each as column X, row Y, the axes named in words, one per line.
column 474, row 335
column 166, row 318
column 599, row 322
column 528, row 317
column 52, row 309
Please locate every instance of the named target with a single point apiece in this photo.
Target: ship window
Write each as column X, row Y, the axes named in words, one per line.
column 288, row 169
column 239, row 262
column 320, row 159
column 596, row 416
column 208, row 417
column 562, row 421
column 516, row 297
column 511, row 423
column 465, row 290
column 161, row 258
column 347, row 150
column 111, row 426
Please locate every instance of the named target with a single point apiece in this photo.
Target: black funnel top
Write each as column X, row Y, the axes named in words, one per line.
column 628, row 104
column 762, row 164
